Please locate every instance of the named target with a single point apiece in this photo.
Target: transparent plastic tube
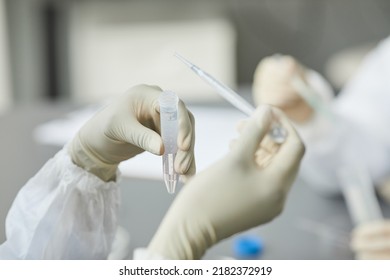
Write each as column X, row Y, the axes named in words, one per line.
column 168, row 101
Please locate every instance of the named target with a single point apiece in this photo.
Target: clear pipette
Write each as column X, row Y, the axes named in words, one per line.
column 168, row 101
column 277, row 132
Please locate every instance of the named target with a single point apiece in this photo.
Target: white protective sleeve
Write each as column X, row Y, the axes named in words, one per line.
column 361, row 131
column 63, row 212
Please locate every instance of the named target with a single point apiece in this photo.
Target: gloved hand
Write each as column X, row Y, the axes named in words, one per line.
column 266, row 150
column 233, row 195
column 272, row 84
column 372, row 240
column 127, row 127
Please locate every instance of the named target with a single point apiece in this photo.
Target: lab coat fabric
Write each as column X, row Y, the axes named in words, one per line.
column 63, row 212
column 359, row 135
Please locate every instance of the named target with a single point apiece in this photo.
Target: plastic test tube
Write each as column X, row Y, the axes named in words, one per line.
column 168, row 101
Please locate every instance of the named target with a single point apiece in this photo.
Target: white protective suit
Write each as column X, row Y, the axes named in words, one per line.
column 48, row 207
column 360, row 132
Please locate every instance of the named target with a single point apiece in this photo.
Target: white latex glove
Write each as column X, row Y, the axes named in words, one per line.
column 233, row 195
column 266, row 150
column 127, row 127
column 272, row 84
column 372, row 240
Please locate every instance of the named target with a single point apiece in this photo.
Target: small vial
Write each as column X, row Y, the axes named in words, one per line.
column 168, row 101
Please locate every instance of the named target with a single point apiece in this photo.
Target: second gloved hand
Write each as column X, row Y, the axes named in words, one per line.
column 127, row 127
column 233, row 195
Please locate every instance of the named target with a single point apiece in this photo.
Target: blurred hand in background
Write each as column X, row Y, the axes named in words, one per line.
column 272, row 85
column 372, row 240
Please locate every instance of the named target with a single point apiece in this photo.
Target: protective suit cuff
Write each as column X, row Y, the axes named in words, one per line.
column 90, row 176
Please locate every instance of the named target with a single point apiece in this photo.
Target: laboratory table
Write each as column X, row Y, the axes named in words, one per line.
column 310, row 227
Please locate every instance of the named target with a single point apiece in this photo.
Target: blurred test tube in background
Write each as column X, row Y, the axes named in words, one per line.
column 358, row 191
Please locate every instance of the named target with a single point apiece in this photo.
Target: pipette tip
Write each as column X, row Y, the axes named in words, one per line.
column 171, row 186
column 182, row 59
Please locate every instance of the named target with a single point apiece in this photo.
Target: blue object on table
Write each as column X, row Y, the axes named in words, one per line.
column 248, row 247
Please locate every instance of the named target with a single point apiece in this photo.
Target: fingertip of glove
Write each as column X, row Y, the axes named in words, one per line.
column 263, row 114
column 156, row 147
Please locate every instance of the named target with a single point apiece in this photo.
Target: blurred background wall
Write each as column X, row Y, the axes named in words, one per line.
column 48, row 39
